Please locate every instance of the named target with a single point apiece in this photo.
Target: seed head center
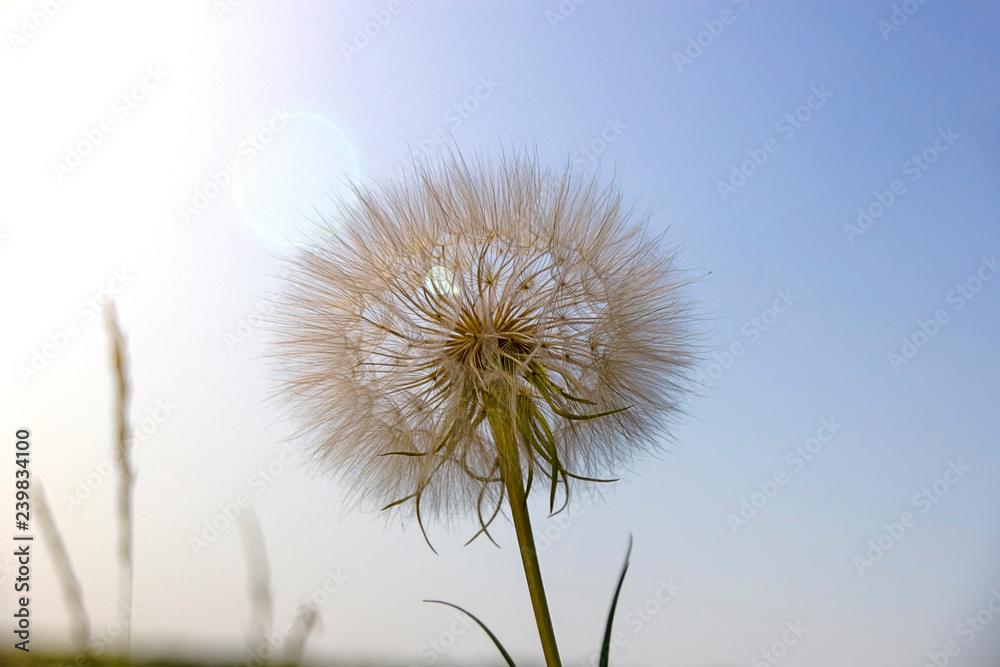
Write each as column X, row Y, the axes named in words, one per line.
column 497, row 340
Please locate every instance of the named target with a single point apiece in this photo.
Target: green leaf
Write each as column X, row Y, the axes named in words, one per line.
column 485, row 525
column 485, row 479
column 552, row 504
column 589, row 479
column 420, row 522
column 542, row 384
column 539, row 374
column 539, row 435
column 506, row 656
column 570, row 415
column 399, row 502
column 606, row 646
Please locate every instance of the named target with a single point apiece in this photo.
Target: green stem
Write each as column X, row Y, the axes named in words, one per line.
column 502, row 425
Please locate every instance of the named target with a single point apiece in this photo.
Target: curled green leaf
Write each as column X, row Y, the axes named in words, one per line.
column 496, row 642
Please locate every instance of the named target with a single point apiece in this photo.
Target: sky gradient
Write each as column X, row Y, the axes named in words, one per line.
column 827, row 173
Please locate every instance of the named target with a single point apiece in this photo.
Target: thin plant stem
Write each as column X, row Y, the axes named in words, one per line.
column 258, row 578
column 127, row 480
column 70, row 584
column 304, row 624
column 502, row 426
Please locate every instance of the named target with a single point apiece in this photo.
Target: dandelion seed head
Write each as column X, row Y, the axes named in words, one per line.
column 467, row 282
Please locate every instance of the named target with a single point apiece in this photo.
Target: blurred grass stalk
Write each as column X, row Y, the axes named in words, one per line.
column 303, row 627
column 262, row 600
column 64, row 569
column 125, row 529
column 258, row 569
column 258, row 579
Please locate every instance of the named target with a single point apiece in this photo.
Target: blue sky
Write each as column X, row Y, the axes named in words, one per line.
column 226, row 130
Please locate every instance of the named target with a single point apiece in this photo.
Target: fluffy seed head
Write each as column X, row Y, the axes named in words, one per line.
column 476, row 287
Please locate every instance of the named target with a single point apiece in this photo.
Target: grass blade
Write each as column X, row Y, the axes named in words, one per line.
column 606, row 645
column 70, row 584
column 127, row 481
column 258, row 578
column 304, row 625
column 503, row 652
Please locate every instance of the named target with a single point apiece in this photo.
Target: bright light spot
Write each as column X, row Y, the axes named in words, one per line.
column 441, row 281
column 296, row 178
